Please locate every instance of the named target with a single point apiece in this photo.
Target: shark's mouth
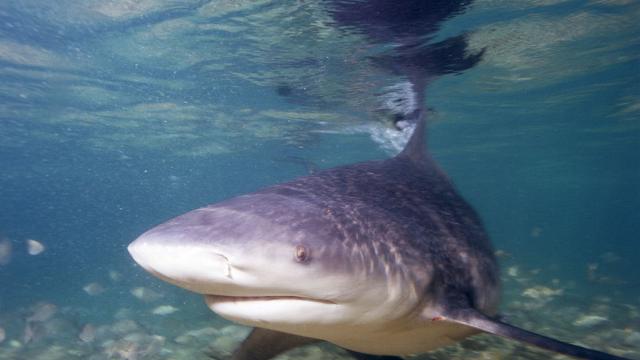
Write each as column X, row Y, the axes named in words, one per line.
column 211, row 298
column 269, row 309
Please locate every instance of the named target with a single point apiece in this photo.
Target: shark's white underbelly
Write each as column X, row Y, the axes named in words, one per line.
column 393, row 341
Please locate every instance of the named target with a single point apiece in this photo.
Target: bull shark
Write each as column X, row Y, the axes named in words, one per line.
column 382, row 258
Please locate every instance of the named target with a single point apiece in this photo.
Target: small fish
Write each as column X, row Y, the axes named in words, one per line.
column 541, row 292
column 87, row 334
column 5, row 251
column 164, row 310
column 3, row 335
column 145, row 294
column 34, row 247
column 94, row 289
column 590, row 321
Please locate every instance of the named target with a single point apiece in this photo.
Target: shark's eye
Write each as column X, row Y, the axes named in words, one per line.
column 302, row 254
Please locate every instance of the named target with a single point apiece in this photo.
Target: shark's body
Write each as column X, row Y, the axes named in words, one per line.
column 401, row 230
column 384, row 222
column 383, row 258
column 380, row 257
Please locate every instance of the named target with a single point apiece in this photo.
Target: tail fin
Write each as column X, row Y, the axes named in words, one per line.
column 481, row 322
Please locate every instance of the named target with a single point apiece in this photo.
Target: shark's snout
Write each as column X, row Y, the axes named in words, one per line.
column 190, row 266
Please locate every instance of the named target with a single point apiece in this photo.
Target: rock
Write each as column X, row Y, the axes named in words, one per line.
column 145, row 294
column 123, row 314
column 205, row 334
column 102, row 332
column 115, row 276
column 541, row 292
column 53, row 352
column 225, row 344
column 87, row 334
column 42, row 311
column 209, row 332
column 633, row 339
column 124, row 327
column 135, row 337
column 93, row 289
column 15, row 344
column 589, row 321
column 59, row 328
column 235, row 331
column 164, row 310
column 183, row 339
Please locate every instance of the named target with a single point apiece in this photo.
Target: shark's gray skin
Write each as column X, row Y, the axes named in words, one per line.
column 383, row 258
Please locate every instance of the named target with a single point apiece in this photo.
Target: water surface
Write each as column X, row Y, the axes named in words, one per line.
column 115, row 116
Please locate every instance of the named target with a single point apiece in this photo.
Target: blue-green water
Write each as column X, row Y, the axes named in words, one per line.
column 115, row 116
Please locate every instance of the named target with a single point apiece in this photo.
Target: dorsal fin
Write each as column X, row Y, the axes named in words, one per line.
column 415, row 149
column 475, row 319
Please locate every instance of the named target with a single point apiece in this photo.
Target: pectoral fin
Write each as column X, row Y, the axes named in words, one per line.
column 482, row 322
column 264, row 344
column 362, row 356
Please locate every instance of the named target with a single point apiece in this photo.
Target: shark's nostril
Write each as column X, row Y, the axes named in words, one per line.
column 226, row 265
column 196, row 268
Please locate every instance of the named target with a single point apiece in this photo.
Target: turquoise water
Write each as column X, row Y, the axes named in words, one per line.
column 115, row 116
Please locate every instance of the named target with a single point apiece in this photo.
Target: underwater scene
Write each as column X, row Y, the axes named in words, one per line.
column 119, row 115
